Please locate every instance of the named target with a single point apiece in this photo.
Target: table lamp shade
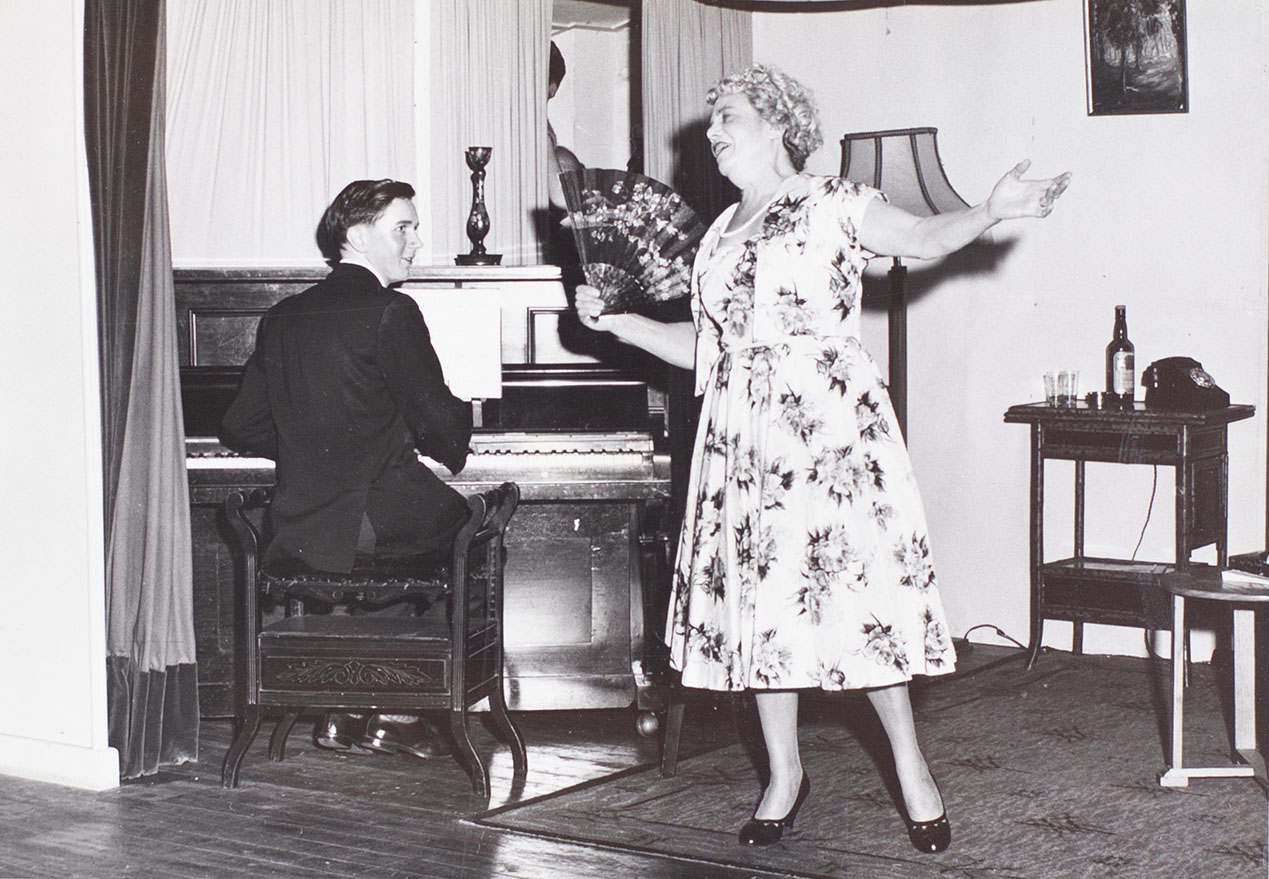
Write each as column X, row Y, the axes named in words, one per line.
column 904, row 164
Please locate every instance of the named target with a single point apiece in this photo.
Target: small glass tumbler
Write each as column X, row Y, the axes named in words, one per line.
column 1068, row 387
column 1050, row 388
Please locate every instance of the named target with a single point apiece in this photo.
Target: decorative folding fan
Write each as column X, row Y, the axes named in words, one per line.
column 635, row 236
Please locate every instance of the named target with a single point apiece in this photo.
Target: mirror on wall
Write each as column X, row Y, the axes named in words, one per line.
column 596, row 110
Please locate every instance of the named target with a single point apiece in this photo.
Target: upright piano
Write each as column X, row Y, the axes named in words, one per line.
column 581, row 426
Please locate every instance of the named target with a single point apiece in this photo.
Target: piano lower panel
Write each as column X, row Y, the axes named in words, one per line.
column 583, row 565
column 574, row 599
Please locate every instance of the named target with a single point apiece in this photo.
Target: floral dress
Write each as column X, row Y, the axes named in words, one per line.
column 804, row 559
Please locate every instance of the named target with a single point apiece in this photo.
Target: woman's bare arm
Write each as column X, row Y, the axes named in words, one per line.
column 675, row 343
column 890, row 231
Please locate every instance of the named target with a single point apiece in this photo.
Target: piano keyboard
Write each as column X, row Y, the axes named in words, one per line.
column 546, row 466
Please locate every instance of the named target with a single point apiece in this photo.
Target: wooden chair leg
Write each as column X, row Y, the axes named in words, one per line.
column 673, row 735
column 510, row 733
column 277, row 741
column 247, row 730
column 467, row 755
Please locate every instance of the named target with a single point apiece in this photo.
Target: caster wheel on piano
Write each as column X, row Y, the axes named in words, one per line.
column 647, row 724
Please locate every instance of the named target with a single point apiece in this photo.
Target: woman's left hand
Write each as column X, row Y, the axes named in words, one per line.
column 1013, row 197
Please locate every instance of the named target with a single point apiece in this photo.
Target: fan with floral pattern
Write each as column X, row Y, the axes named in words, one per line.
column 636, row 237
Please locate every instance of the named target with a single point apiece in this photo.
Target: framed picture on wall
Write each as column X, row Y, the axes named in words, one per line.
column 1136, row 57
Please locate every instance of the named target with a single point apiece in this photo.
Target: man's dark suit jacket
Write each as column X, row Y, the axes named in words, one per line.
column 344, row 386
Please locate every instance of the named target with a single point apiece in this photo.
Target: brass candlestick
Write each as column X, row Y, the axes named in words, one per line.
column 478, row 217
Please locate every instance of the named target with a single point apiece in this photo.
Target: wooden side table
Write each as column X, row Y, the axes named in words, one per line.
column 1203, row 582
column 1108, row 590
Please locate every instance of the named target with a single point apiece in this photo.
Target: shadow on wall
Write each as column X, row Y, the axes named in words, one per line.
column 696, row 177
column 975, row 261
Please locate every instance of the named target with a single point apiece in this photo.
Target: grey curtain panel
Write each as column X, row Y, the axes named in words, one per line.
column 152, row 672
column 687, row 47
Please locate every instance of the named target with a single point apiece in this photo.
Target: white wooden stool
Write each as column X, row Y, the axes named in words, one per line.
column 1204, row 582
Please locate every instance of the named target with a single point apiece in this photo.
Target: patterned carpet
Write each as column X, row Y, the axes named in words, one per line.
column 1047, row 773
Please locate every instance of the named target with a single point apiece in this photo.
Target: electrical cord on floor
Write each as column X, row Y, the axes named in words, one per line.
column 963, row 646
column 1154, row 484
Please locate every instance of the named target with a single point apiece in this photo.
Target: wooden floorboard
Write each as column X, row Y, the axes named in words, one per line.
column 321, row 814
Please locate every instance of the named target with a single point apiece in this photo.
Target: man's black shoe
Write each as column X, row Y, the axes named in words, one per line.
column 418, row 738
column 340, row 731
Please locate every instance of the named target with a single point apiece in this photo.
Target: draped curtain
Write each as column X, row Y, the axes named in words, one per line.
column 687, row 47
column 273, row 108
column 489, row 84
column 152, row 675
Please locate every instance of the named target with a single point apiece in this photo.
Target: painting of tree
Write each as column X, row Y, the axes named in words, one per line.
column 1136, row 57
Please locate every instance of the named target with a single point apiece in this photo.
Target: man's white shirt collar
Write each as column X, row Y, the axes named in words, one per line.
column 354, row 259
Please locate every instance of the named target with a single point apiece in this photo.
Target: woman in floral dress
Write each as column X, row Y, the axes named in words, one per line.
column 804, row 559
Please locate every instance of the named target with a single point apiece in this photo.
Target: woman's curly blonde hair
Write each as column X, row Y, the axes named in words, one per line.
column 781, row 101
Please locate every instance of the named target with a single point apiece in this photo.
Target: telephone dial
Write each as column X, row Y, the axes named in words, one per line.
column 1181, row 383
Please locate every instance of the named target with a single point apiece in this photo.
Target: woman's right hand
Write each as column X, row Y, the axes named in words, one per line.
column 590, row 308
column 675, row 343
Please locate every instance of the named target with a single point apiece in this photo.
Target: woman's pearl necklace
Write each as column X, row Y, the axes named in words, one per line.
column 745, row 225
column 761, row 211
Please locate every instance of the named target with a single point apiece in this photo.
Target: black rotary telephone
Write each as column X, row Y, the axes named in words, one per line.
column 1181, row 383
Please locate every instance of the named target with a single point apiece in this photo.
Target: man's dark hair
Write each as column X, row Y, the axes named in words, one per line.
column 362, row 201
column 556, row 73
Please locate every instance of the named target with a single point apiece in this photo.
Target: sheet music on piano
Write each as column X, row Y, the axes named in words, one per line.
column 466, row 329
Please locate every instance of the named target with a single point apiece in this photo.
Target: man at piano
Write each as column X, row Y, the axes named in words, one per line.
column 343, row 391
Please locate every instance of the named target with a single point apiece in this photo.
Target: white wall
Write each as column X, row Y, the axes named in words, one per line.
column 1166, row 214
column 53, row 720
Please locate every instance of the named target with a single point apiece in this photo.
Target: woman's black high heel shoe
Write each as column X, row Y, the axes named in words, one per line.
column 760, row 832
column 930, row 837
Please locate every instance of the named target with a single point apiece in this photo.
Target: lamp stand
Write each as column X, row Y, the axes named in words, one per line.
column 904, row 164
column 898, row 353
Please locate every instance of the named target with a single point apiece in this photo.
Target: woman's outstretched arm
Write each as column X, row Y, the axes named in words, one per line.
column 890, row 231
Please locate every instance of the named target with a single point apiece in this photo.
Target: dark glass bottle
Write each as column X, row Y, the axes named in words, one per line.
column 1120, row 371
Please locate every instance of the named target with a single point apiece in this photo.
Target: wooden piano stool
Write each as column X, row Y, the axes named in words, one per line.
column 434, row 662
